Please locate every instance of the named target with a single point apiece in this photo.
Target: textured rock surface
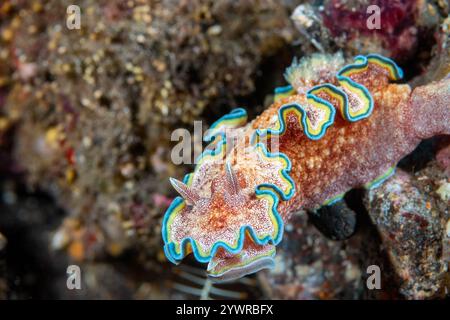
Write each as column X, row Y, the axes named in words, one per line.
column 86, row 116
column 439, row 66
column 411, row 215
column 92, row 109
column 405, row 31
column 310, row 266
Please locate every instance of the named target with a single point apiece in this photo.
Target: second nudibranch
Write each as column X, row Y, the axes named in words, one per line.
column 336, row 127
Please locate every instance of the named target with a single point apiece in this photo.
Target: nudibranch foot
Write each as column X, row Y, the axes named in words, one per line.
column 378, row 181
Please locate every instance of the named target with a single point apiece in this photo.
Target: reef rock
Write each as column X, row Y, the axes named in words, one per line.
column 310, row 266
column 411, row 214
column 398, row 29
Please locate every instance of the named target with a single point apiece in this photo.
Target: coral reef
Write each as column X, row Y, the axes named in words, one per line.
column 88, row 113
column 142, row 68
column 85, row 122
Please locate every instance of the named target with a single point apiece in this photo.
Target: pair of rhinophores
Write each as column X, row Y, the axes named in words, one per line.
column 335, row 127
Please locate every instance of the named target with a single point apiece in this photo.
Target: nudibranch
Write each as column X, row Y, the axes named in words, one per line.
column 334, row 128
